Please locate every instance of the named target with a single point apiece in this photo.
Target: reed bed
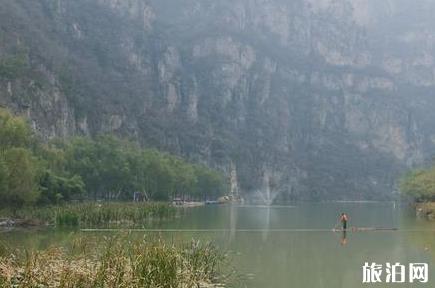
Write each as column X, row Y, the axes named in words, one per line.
column 90, row 215
column 118, row 263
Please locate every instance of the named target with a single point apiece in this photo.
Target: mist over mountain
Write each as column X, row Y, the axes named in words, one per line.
column 329, row 99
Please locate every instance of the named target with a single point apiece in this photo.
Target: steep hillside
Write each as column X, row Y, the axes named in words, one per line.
column 309, row 99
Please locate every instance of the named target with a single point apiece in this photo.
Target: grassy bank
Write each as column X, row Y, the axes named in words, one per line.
column 118, row 262
column 87, row 215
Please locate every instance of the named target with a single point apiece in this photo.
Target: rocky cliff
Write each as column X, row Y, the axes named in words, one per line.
column 310, row 99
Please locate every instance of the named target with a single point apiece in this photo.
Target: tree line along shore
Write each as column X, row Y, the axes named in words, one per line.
column 419, row 185
column 38, row 173
column 90, row 183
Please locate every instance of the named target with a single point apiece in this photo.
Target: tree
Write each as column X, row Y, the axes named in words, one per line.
column 16, row 161
column 115, row 169
column 210, row 184
column 185, row 178
column 160, row 177
column 419, row 184
column 14, row 131
column 53, row 158
column 104, row 167
column 22, row 177
column 55, row 189
column 81, row 159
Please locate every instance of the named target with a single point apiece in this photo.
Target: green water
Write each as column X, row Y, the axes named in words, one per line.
column 289, row 246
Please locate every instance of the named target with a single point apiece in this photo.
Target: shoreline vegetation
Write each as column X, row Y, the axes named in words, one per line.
column 118, row 262
column 38, row 173
column 419, row 185
column 426, row 209
column 89, row 215
column 101, row 182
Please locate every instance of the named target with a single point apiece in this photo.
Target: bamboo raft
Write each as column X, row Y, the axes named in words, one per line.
column 359, row 229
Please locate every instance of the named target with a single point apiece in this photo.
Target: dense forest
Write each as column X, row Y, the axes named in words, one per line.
column 106, row 167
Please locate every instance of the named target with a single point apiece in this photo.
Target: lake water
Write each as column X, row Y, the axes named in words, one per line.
column 290, row 246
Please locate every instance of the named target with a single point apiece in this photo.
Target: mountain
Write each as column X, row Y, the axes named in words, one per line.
column 308, row 99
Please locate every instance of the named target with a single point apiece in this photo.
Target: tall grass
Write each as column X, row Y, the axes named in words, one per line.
column 118, row 263
column 89, row 215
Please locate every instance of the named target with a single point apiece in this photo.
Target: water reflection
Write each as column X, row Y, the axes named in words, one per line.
column 233, row 222
column 282, row 245
column 265, row 233
column 343, row 240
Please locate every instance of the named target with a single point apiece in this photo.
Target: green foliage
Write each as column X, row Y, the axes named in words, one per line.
column 67, row 218
column 18, row 166
column 159, row 175
column 21, row 175
column 102, row 168
column 209, row 184
column 55, row 189
column 92, row 215
column 52, row 157
column 419, row 184
column 103, row 165
column 14, row 131
column 113, row 169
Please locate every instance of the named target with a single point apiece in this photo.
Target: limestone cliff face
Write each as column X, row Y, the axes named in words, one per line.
column 311, row 98
column 50, row 113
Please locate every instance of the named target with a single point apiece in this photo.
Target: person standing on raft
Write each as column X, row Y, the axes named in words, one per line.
column 344, row 219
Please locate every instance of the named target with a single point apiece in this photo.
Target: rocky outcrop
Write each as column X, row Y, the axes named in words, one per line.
column 46, row 107
column 312, row 99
